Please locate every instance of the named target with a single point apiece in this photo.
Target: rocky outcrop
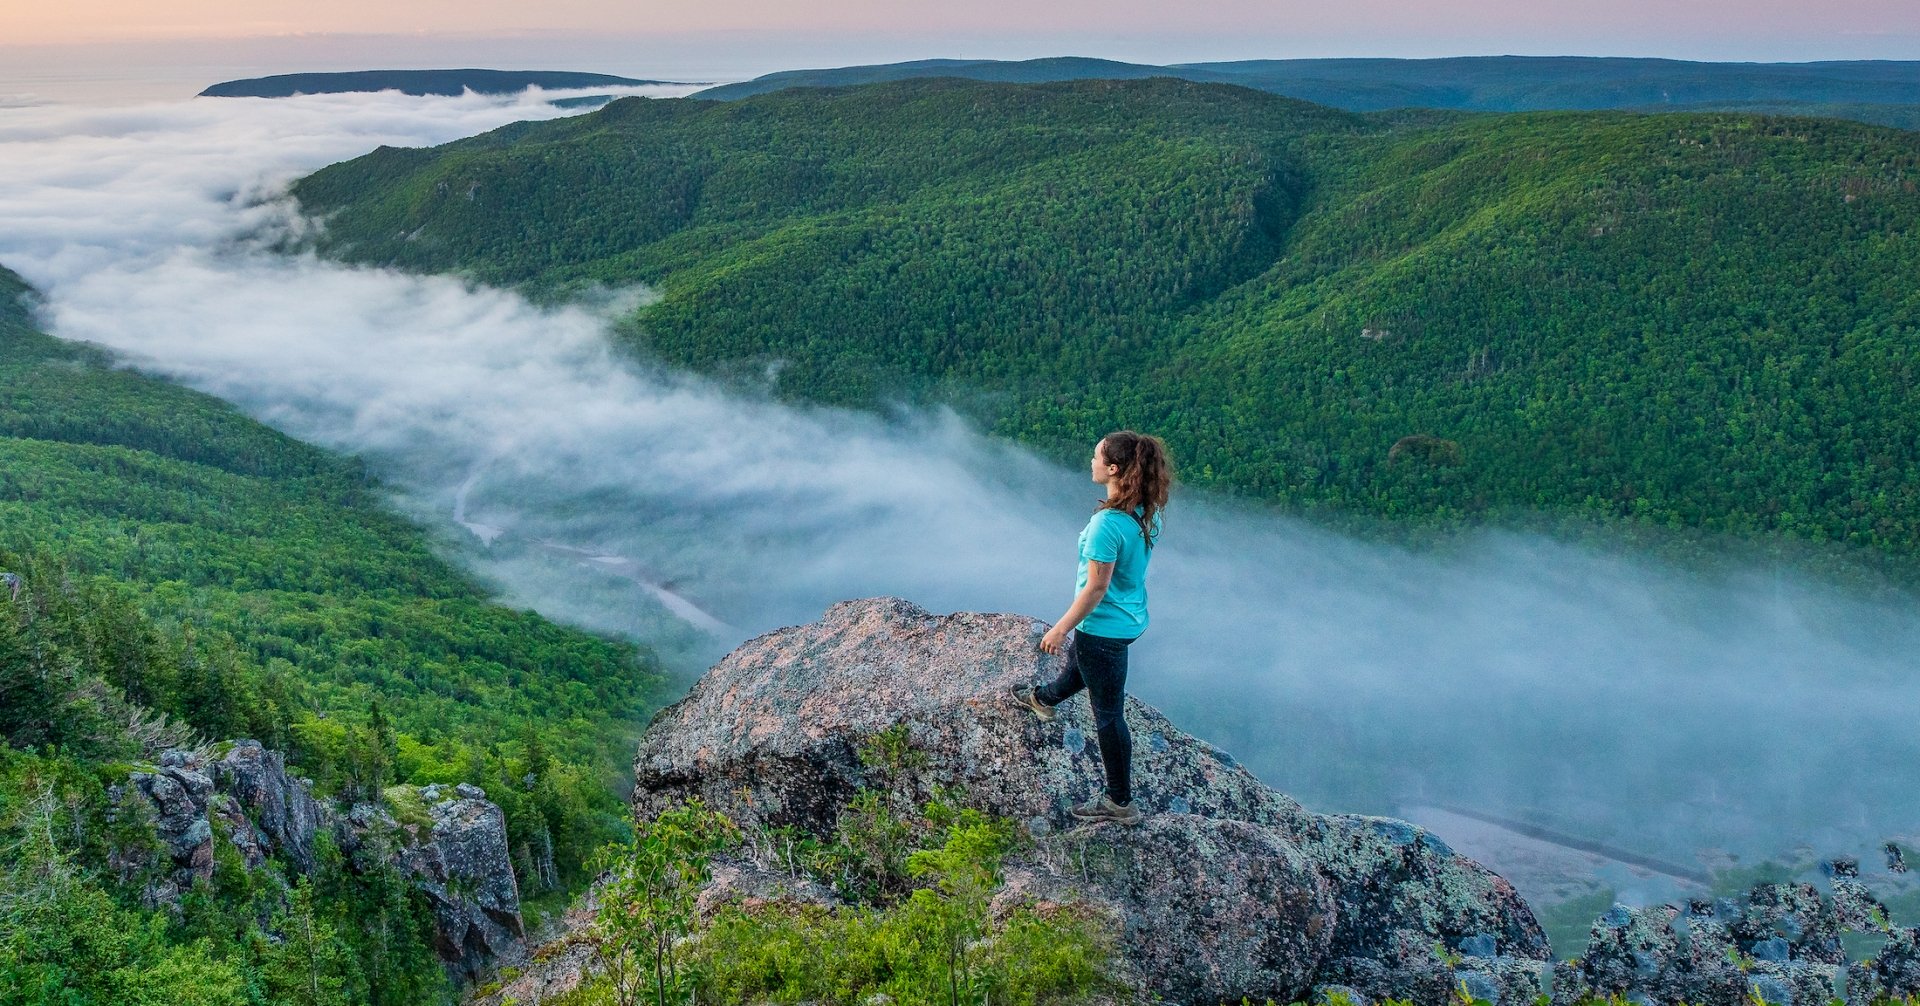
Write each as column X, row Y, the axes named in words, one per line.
column 453, row 848
column 1230, row 890
column 245, row 792
column 184, row 808
column 459, row 861
column 283, row 812
column 1779, row 944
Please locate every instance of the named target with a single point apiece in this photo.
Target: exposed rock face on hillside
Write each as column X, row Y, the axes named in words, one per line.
column 461, row 863
column 247, row 791
column 284, row 812
column 1780, row 943
column 457, row 856
column 1230, row 889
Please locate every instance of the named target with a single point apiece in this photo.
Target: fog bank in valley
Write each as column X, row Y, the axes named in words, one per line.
column 1601, row 693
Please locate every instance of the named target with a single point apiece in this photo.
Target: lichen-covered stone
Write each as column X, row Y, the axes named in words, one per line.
column 1790, row 922
column 881, row 695
column 1504, row 979
column 1406, row 968
column 1795, row 983
column 1388, row 875
column 1894, row 973
column 739, row 881
column 462, row 866
column 285, row 811
column 1214, row 910
column 1631, row 952
column 1709, row 954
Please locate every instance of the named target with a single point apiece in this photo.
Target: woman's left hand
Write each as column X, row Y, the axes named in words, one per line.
column 1055, row 638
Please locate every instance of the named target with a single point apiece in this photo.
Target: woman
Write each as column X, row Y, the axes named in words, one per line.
column 1110, row 609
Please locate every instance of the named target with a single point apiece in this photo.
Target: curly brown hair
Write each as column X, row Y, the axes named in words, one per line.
column 1145, row 476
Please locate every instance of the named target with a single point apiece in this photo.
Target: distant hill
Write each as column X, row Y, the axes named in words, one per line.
column 420, row 82
column 1897, row 116
column 1027, row 71
column 1689, row 320
column 1850, row 90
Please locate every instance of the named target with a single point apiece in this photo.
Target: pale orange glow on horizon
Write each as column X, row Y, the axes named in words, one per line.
column 116, row 20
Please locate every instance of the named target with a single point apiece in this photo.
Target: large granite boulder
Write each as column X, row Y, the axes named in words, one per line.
column 774, row 731
column 1230, row 890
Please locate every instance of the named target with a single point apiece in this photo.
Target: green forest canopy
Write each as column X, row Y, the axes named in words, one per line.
column 1702, row 321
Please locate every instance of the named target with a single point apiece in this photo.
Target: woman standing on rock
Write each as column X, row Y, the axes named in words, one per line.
column 1109, row 611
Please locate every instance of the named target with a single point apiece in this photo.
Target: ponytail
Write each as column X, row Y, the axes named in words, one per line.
column 1145, row 477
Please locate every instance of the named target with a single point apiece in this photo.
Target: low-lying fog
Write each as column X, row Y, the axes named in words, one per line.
column 1605, row 695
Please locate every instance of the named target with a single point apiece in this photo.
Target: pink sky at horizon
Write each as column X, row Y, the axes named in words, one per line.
column 119, row 51
column 1714, row 29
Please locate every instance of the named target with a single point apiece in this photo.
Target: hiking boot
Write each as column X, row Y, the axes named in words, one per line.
column 1102, row 808
column 1024, row 697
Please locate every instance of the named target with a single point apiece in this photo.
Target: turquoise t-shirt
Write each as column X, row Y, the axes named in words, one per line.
column 1113, row 536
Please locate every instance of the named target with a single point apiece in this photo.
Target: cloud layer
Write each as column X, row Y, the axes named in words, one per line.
column 1600, row 693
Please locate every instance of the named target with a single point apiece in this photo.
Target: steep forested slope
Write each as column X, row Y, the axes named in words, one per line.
column 298, row 610
column 1700, row 320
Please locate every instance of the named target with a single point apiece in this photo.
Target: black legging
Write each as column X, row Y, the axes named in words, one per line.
column 1099, row 664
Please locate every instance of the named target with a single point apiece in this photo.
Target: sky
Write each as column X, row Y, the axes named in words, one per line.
column 771, row 34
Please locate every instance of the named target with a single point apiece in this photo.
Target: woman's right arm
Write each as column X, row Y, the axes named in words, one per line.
column 1099, row 574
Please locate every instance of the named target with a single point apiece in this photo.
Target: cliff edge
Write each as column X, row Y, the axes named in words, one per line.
column 1229, row 890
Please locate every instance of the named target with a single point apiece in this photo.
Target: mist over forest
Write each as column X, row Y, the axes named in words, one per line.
column 1748, row 709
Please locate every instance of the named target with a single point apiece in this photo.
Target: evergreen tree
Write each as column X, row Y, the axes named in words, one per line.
column 307, row 967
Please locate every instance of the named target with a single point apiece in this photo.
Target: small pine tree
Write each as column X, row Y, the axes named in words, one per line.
column 307, row 967
column 536, row 762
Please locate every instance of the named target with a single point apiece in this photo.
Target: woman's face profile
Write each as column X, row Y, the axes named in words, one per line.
column 1100, row 466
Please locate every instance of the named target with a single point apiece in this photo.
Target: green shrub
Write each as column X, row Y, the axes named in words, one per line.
column 647, row 900
column 937, row 946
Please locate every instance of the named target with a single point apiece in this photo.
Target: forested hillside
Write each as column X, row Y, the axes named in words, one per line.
column 184, row 569
column 1884, row 92
column 1693, row 320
